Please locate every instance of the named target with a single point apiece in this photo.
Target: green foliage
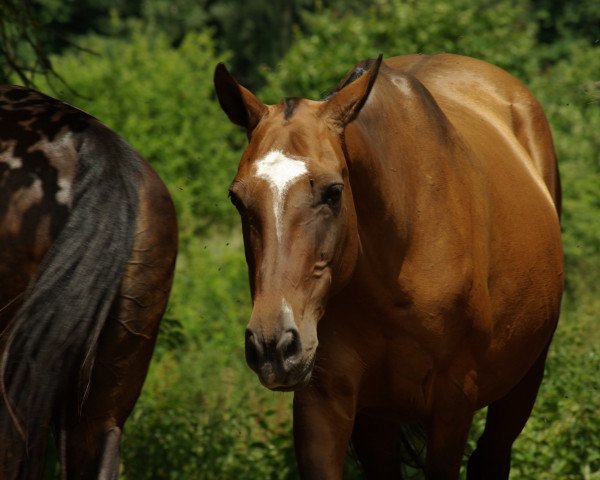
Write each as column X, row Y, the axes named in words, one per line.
column 256, row 33
column 565, row 20
column 499, row 32
column 21, row 43
column 211, row 298
column 176, row 18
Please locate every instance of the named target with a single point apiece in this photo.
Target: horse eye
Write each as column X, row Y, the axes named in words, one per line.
column 235, row 200
column 332, row 194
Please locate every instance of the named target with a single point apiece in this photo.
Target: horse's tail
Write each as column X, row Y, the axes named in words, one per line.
column 52, row 339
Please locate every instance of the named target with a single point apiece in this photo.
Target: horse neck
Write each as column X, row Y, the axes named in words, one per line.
column 401, row 154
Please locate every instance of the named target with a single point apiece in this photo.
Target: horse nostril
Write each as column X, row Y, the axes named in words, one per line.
column 289, row 346
column 253, row 350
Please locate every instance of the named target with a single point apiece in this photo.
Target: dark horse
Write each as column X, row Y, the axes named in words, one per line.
column 88, row 240
column 408, row 225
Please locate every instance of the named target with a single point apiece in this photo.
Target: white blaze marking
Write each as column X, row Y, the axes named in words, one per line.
column 281, row 172
column 286, row 309
column 287, row 315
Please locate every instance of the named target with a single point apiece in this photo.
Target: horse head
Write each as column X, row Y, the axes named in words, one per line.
column 293, row 193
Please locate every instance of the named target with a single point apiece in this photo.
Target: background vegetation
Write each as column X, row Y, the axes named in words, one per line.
column 144, row 67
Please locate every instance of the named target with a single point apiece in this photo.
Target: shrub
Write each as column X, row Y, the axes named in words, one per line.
column 499, row 32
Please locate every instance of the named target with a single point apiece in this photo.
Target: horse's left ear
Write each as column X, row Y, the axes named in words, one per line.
column 241, row 106
column 344, row 106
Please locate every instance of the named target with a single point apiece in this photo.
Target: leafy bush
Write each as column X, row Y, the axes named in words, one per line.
column 499, row 32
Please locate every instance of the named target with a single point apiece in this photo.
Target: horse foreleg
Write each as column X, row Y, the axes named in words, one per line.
column 376, row 442
column 450, row 422
column 504, row 422
column 322, row 430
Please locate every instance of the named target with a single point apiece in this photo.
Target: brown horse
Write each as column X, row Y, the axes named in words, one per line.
column 88, row 240
column 408, row 225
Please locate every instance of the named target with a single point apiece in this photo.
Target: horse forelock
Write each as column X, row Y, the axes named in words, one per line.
column 289, row 107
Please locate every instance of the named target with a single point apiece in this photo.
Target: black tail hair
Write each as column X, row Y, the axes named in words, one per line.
column 53, row 337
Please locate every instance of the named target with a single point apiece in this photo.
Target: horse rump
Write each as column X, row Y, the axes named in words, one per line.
column 51, row 341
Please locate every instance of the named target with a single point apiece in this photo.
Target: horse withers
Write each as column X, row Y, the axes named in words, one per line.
column 88, row 240
column 403, row 243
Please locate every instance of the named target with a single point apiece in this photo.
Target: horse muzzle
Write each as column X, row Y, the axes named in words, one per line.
column 279, row 362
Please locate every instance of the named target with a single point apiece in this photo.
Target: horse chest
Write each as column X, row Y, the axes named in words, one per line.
column 399, row 387
column 391, row 370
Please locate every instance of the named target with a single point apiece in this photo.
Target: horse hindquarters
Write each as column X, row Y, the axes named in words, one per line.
column 67, row 304
column 89, row 438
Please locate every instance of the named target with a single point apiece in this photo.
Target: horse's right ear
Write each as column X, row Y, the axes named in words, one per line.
column 240, row 105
